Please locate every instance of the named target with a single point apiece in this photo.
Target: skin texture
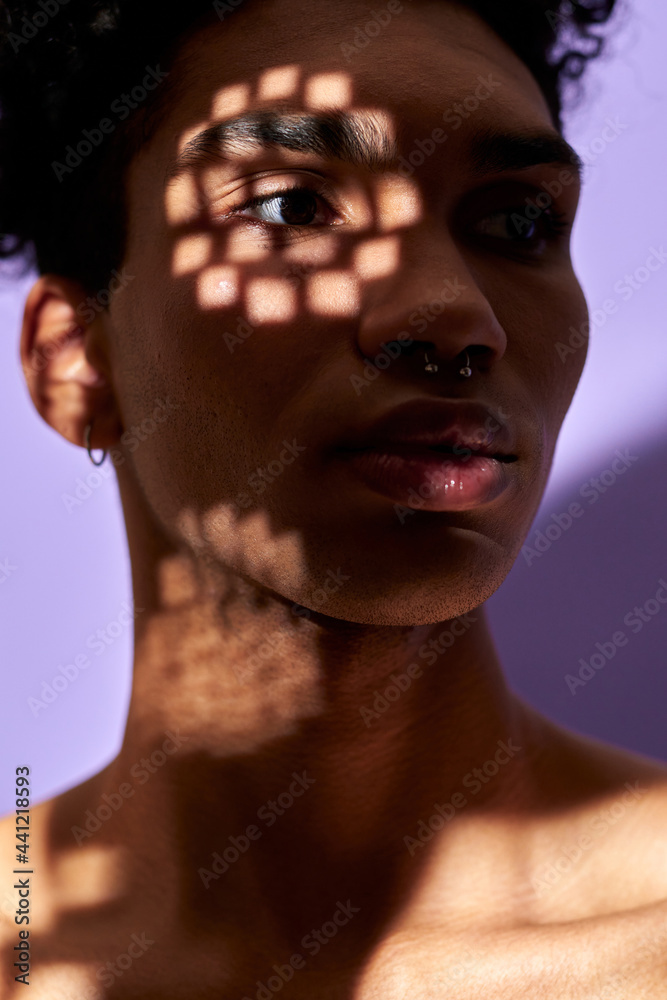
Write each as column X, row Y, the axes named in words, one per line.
column 235, row 688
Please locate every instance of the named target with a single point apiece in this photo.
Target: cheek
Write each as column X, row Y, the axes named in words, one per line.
column 229, row 382
column 547, row 332
column 567, row 345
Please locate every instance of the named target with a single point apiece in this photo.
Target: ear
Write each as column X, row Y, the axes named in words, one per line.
column 65, row 363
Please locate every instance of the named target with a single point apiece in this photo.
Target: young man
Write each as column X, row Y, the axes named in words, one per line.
column 326, row 376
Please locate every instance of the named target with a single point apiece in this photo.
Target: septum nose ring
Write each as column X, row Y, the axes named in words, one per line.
column 466, row 371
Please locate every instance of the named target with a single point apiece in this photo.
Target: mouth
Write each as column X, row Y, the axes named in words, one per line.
column 434, row 477
column 434, row 454
column 457, row 452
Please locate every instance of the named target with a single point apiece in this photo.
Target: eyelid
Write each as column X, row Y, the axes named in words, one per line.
column 515, row 191
column 257, row 200
column 318, row 186
column 557, row 222
column 523, row 197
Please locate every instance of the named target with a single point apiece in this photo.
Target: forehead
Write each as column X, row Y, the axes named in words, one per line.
column 412, row 57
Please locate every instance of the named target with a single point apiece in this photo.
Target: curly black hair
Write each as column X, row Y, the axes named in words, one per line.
column 66, row 63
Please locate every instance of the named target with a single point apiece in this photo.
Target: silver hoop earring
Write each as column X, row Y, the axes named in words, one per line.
column 86, row 441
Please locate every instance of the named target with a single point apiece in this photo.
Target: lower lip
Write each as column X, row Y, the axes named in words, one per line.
column 426, row 480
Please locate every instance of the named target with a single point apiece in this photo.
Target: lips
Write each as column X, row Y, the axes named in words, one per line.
column 434, row 455
column 454, row 427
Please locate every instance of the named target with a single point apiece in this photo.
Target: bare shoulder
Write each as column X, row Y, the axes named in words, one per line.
column 604, row 850
column 600, row 770
column 22, row 853
column 31, row 847
column 35, row 891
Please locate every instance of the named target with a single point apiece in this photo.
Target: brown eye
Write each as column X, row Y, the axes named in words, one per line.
column 512, row 225
column 508, row 225
column 298, row 208
column 293, row 207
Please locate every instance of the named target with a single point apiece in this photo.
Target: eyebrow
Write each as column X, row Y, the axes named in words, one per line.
column 496, row 151
column 335, row 135
column 360, row 141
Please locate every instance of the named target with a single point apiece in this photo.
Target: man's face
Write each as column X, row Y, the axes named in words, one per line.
column 257, row 322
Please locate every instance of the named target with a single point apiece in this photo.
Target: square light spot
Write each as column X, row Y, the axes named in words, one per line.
column 270, row 300
column 329, row 90
column 278, row 82
column 230, row 100
column 217, row 286
column 333, row 293
column 377, row 258
column 191, row 253
column 398, row 203
column 182, row 200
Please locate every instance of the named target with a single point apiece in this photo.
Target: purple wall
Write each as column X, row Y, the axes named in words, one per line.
column 65, row 574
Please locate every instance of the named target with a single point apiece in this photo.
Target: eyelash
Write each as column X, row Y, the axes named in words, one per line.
column 272, row 227
column 556, row 223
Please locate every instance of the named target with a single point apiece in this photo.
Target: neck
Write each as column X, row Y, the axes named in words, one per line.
column 299, row 758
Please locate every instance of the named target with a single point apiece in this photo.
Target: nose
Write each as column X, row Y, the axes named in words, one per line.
column 433, row 300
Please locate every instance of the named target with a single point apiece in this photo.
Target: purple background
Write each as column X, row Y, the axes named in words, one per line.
column 71, row 570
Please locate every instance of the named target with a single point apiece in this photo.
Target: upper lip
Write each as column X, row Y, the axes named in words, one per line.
column 429, row 423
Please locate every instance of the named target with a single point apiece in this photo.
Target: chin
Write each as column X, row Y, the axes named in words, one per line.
column 408, row 598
